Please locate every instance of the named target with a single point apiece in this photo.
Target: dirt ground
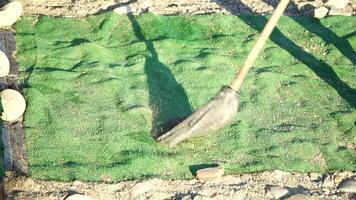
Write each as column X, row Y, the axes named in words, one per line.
column 81, row 8
column 265, row 185
column 247, row 186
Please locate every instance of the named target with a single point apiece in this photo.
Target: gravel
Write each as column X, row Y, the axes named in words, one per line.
column 82, row 8
column 248, row 186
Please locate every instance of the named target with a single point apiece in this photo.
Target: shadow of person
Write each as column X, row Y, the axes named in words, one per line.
column 320, row 68
column 167, row 98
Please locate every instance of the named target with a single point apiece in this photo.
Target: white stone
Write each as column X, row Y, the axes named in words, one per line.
column 337, row 3
column 210, row 173
column 124, row 10
column 4, row 65
column 10, row 13
column 321, row 12
column 13, row 104
column 78, row 197
column 348, row 186
column 277, row 192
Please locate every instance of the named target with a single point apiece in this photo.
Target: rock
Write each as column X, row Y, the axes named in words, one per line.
column 4, row 65
column 78, row 197
column 321, row 12
column 10, row 13
column 124, row 10
column 276, row 192
column 344, row 12
column 13, row 104
column 209, row 173
column 348, row 186
column 337, row 3
column 337, row 178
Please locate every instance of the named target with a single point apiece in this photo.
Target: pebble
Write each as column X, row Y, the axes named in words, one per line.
column 321, row 12
column 4, row 65
column 337, row 178
column 124, row 10
column 348, row 186
column 13, row 104
column 78, row 197
column 10, row 13
column 337, row 3
column 277, row 192
column 210, row 173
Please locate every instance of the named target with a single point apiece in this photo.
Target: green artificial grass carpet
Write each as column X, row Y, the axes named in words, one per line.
column 98, row 88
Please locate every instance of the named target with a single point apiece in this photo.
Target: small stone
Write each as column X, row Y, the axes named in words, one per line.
column 337, row 3
column 209, row 173
column 4, row 65
column 321, row 12
column 348, row 186
column 124, row 10
column 277, row 192
column 13, row 104
column 78, row 197
column 10, row 13
column 337, row 178
column 344, row 12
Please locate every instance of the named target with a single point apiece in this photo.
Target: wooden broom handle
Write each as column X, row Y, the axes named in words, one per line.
column 240, row 76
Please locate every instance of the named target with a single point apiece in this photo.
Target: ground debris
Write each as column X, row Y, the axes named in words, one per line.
column 292, row 186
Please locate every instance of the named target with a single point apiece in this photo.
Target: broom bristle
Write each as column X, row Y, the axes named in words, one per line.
column 216, row 114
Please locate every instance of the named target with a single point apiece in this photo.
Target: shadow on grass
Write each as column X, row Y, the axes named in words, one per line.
column 319, row 67
column 167, row 98
column 341, row 43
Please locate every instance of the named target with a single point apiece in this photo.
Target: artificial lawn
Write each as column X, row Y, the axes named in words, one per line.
column 98, row 88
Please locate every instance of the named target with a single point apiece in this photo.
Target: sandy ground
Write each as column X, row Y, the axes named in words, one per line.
column 265, row 185
column 81, row 8
column 247, row 186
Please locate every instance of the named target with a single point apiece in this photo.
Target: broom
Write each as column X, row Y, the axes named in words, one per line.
column 221, row 110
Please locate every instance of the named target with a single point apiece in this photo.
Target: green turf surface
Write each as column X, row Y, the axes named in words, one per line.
column 98, row 88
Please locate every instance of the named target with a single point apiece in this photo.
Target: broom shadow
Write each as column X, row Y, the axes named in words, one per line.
column 314, row 25
column 320, row 68
column 167, row 98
